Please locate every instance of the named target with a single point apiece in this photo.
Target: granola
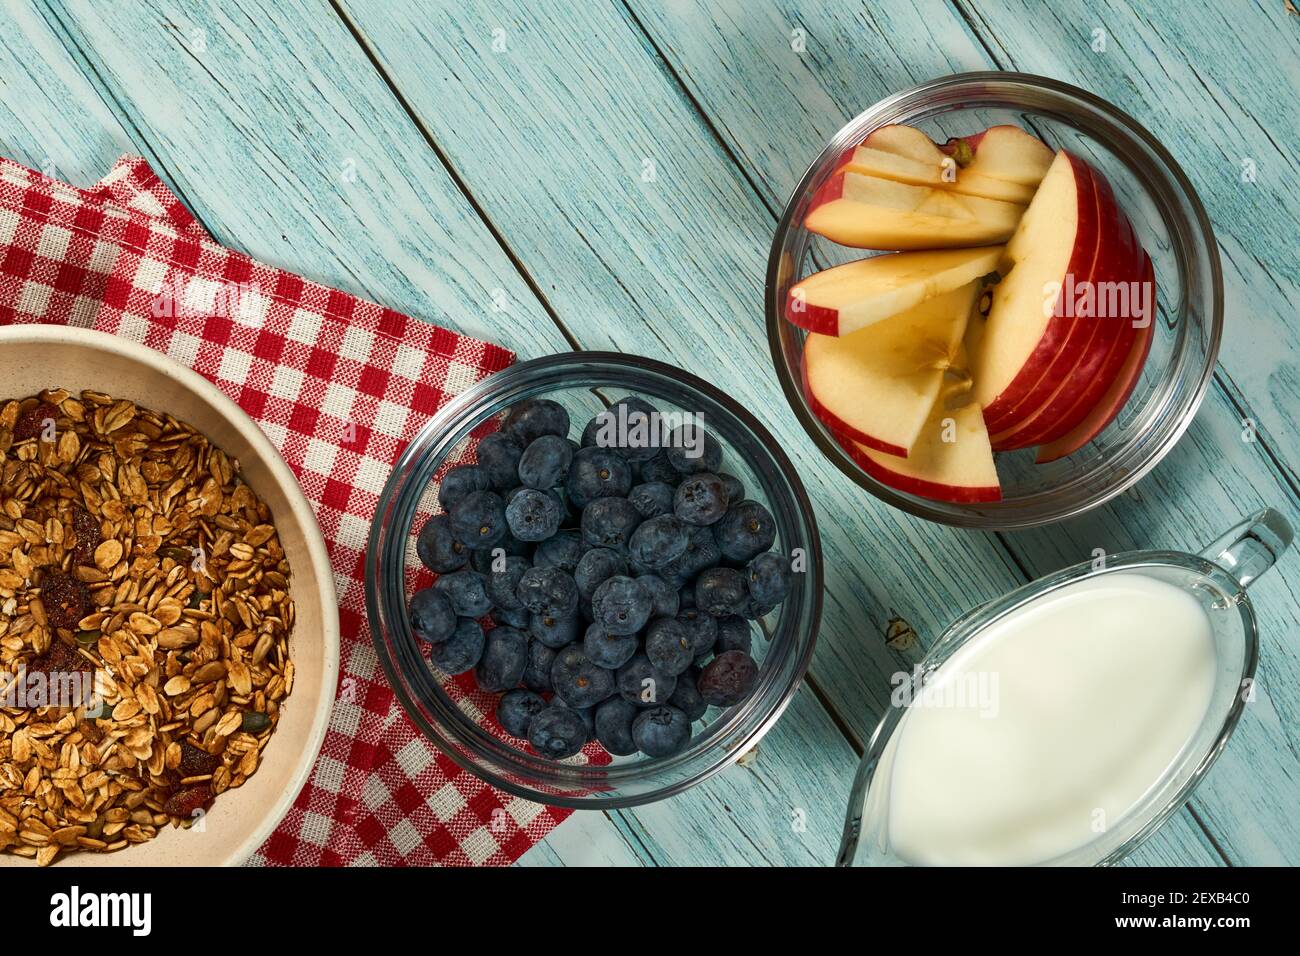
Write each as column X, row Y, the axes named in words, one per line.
column 136, row 567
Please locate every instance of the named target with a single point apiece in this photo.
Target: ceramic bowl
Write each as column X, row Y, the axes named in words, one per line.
column 33, row 357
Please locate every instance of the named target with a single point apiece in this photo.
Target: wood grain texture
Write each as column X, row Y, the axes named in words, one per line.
column 282, row 98
column 702, row 283
column 279, row 135
column 1208, row 480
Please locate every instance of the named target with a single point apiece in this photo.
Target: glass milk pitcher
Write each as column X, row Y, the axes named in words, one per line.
column 881, row 828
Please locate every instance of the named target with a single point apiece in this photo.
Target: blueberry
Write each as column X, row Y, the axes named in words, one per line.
column 609, row 650
column 502, row 584
column 467, row 592
column 462, row 650
column 481, row 560
column 700, row 499
column 586, row 714
column 530, row 420
column 505, row 655
column 561, row 551
column 703, row 629
column 669, row 645
column 643, row 684
column 753, row 610
column 554, row 631
column 516, row 709
column 728, row 679
column 660, row 469
column 498, row 458
column 720, row 591
column 548, row 591
column 621, row 605
column 658, row 541
column 661, row 731
column 596, row 567
column 479, row 519
column 735, row 487
column 545, row 463
column 686, row 697
column 653, row 498
column 515, row 617
column 609, row 522
column 432, row 616
column 630, row 425
column 734, row 634
column 702, row 552
column 745, row 531
column 537, row 675
column 533, row 515
column 614, row 726
column 664, row 600
column 438, row 548
column 597, row 473
column 578, row 680
column 557, row 732
column 459, row 482
column 768, row 576
column 692, row 450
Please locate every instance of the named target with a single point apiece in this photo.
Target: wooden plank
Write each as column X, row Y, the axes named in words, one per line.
column 693, row 293
column 588, row 838
column 233, row 120
column 309, row 164
column 775, row 127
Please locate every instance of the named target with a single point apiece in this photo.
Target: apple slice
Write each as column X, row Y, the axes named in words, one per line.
column 869, row 212
column 1103, row 412
column 1027, row 328
column 951, row 459
column 1093, row 333
column 848, row 297
column 906, row 155
column 878, row 385
column 1002, row 152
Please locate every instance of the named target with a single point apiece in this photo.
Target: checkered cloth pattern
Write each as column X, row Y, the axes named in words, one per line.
column 340, row 385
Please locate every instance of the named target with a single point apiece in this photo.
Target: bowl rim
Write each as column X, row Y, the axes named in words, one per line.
column 956, row 513
column 55, row 335
column 447, row 418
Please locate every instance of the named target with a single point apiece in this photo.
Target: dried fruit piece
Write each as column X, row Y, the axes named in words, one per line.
column 59, row 659
column 87, row 535
column 186, row 801
column 31, row 422
column 66, row 599
column 196, row 762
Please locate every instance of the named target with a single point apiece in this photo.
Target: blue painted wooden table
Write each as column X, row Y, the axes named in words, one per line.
column 607, row 175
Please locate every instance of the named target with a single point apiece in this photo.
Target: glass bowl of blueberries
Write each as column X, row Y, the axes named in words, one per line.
column 594, row 580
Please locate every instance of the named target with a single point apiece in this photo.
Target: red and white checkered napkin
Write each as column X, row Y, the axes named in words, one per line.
column 340, row 386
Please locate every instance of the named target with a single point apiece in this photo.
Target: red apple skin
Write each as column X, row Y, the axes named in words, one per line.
column 1000, row 414
column 814, row 318
column 917, row 486
column 1088, row 381
column 1090, row 385
column 1086, row 362
column 838, row 426
column 1103, row 412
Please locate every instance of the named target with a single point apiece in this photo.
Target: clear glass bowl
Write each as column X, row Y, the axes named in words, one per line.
column 459, row 722
column 1170, row 222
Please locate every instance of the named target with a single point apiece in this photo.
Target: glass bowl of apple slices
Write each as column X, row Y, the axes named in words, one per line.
column 994, row 300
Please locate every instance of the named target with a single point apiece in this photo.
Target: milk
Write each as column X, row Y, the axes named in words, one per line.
column 1089, row 695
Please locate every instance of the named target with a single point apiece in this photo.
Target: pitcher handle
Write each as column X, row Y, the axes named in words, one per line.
column 1252, row 547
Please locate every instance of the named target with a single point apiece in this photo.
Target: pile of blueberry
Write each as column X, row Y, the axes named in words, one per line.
column 622, row 575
